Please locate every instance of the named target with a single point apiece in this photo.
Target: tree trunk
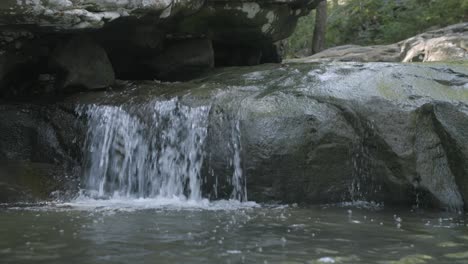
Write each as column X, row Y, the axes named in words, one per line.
column 318, row 40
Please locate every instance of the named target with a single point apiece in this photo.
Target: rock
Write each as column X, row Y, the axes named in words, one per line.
column 18, row 70
column 38, row 151
column 136, row 37
column 251, row 23
column 73, row 15
column 382, row 53
column 451, row 125
column 325, row 133
column 446, row 44
column 130, row 55
column 239, row 55
column 306, row 133
column 235, row 55
column 183, row 60
column 225, row 20
column 28, row 182
column 81, row 63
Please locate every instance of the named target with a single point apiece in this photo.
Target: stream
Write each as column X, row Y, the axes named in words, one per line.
column 169, row 174
column 180, row 231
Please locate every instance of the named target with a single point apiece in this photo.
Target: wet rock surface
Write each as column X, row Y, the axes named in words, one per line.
column 39, row 152
column 309, row 133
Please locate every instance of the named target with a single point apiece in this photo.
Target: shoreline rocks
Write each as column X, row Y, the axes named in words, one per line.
column 445, row 44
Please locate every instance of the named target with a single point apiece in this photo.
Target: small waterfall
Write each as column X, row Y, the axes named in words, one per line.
column 152, row 152
column 239, row 191
column 363, row 186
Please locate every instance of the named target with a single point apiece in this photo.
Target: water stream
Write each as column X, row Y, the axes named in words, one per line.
column 155, row 151
column 147, row 231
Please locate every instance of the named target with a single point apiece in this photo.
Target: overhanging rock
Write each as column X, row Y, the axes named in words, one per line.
column 139, row 37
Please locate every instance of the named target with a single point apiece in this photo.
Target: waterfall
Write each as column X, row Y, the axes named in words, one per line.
column 157, row 153
column 239, row 191
column 151, row 151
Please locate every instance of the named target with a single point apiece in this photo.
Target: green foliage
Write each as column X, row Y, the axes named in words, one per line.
column 300, row 41
column 371, row 22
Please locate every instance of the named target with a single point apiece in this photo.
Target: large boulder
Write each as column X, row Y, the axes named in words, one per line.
column 86, row 14
column 183, row 60
column 80, row 62
column 318, row 133
column 47, row 45
column 306, row 133
column 225, row 20
column 330, row 133
column 39, row 152
column 446, row 44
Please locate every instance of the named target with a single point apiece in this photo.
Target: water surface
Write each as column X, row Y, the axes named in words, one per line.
column 178, row 231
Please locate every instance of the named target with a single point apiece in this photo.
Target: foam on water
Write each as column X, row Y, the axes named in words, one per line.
column 369, row 205
column 125, row 204
column 165, row 203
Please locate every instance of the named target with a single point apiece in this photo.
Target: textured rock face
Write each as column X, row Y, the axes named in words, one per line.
column 351, row 131
column 184, row 60
column 446, row 44
column 309, row 133
column 39, row 151
column 80, row 62
column 134, row 39
column 449, row 43
column 85, row 14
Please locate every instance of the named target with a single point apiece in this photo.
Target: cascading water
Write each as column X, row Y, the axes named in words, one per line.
column 239, row 191
column 155, row 155
column 153, row 151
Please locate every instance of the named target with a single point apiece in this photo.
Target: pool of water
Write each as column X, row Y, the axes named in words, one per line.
column 168, row 231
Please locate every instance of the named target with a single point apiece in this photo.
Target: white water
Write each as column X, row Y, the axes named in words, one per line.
column 133, row 204
column 239, row 191
column 150, row 155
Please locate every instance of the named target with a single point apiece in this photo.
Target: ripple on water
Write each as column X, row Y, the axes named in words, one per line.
column 411, row 259
column 181, row 231
column 458, row 255
column 449, row 244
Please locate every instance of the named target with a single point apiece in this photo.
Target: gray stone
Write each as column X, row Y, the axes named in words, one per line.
column 309, row 133
column 82, row 63
column 446, row 44
column 225, row 20
column 137, row 37
column 323, row 133
column 183, row 60
column 39, row 151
